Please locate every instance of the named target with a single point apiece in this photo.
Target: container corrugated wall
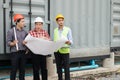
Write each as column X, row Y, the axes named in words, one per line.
column 115, row 27
column 89, row 21
column 1, row 27
column 38, row 8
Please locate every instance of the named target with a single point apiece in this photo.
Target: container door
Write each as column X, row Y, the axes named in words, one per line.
column 115, row 23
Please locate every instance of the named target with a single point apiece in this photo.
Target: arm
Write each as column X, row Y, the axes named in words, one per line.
column 25, row 42
column 10, row 41
column 47, row 37
column 70, row 39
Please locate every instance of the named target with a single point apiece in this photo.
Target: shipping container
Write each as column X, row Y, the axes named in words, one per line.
column 94, row 23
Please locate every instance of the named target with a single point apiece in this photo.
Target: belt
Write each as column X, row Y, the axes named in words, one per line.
column 21, row 50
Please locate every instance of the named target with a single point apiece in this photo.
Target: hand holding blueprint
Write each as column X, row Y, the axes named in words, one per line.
column 42, row 46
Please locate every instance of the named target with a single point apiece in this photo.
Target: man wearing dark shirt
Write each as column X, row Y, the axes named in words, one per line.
column 15, row 40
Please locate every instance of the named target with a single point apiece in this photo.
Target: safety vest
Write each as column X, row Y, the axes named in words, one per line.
column 65, row 49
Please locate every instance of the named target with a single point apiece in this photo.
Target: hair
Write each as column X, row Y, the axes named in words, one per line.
column 18, row 20
column 59, row 17
column 40, row 22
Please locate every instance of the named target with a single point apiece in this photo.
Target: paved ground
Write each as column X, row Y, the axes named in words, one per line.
column 92, row 74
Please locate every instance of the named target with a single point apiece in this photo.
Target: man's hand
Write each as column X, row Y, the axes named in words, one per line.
column 24, row 42
column 14, row 43
column 68, row 42
column 45, row 38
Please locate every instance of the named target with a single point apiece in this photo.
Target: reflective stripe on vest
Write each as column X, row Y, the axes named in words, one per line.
column 64, row 33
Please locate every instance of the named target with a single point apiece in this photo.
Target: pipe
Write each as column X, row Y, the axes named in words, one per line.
column 8, row 67
column 82, row 68
column 91, row 66
column 92, row 62
column 8, row 77
column 15, row 35
column 30, row 14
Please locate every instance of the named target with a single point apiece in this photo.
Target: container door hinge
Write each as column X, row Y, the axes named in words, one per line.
column 5, row 5
column 47, row 22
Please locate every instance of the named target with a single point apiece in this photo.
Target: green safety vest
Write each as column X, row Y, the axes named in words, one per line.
column 65, row 49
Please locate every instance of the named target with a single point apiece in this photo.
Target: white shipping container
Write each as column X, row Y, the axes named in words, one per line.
column 95, row 24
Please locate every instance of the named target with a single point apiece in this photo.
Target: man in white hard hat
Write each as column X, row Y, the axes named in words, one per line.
column 39, row 61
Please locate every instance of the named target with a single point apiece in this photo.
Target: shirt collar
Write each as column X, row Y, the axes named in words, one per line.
column 39, row 30
column 61, row 29
column 18, row 29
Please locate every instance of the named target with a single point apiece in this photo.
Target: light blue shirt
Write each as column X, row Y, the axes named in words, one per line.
column 69, row 35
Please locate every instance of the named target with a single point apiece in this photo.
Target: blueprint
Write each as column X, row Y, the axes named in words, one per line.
column 43, row 47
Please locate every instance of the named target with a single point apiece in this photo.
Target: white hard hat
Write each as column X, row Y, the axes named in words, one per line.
column 38, row 19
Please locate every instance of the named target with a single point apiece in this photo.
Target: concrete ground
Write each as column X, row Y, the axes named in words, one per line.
column 99, row 70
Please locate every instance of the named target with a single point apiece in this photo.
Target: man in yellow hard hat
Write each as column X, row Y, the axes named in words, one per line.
column 62, row 55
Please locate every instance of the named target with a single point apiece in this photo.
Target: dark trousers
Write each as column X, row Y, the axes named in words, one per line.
column 39, row 61
column 62, row 62
column 18, row 60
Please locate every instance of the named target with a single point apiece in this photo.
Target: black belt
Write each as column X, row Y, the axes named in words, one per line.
column 21, row 50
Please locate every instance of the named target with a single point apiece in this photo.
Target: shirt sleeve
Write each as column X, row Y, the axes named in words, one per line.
column 47, row 35
column 9, row 37
column 70, row 36
column 26, row 33
column 31, row 33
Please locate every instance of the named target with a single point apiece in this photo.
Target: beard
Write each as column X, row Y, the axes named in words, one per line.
column 61, row 24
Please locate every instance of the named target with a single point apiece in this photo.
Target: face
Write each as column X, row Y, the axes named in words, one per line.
column 21, row 23
column 60, row 21
column 38, row 26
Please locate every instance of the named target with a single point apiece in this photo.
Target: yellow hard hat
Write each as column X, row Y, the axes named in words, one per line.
column 59, row 16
